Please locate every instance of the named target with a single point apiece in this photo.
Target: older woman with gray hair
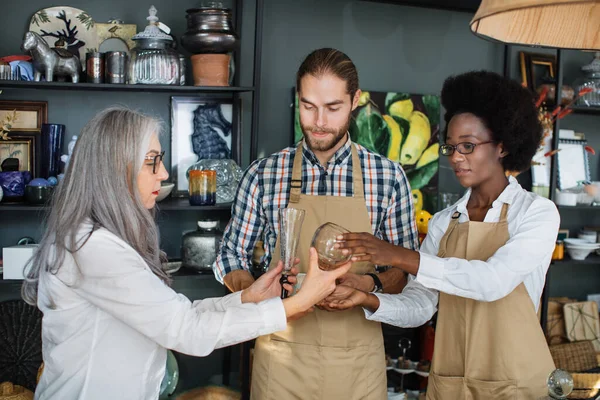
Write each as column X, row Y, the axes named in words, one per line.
column 109, row 313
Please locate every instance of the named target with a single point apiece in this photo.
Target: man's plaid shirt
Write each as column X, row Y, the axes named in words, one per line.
column 265, row 188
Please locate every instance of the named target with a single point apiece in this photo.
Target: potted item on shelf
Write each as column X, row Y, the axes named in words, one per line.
column 38, row 191
column 153, row 61
column 228, row 177
column 590, row 80
column 199, row 248
column 211, row 38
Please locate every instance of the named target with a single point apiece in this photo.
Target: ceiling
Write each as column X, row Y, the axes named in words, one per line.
column 456, row 5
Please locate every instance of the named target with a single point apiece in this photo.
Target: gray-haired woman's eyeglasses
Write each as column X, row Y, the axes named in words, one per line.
column 154, row 161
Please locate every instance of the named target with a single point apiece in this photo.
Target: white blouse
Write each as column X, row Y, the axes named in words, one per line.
column 533, row 223
column 108, row 321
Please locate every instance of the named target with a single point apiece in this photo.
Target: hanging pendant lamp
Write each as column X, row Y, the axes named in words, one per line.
column 570, row 24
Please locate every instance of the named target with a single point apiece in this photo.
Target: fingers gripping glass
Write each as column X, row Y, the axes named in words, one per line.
column 462, row 148
column 155, row 161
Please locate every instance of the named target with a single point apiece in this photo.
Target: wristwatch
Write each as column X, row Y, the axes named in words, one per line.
column 378, row 286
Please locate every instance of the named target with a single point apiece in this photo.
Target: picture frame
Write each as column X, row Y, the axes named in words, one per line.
column 573, row 164
column 535, row 68
column 21, row 148
column 202, row 128
column 108, row 32
column 30, row 114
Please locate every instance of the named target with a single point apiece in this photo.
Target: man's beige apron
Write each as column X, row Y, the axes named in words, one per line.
column 324, row 355
column 486, row 350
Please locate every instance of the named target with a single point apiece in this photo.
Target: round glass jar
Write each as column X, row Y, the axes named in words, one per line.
column 153, row 61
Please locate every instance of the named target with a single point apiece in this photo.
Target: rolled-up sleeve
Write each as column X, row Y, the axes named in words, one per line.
column 411, row 308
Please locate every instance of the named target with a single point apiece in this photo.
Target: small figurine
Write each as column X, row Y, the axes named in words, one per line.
column 51, row 61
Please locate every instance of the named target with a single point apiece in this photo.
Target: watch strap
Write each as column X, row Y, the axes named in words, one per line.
column 378, row 286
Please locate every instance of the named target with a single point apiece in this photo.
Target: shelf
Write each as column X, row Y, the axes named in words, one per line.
column 593, row 258
column 579, row 207
column 188, row 273
column 586, row 110
column 109, row 87
column 183, row 204
column 21, row 207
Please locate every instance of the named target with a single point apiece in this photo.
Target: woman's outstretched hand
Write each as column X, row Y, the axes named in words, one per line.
column 317, row 285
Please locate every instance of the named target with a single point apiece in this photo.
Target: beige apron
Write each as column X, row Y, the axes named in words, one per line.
column 324, row 355
column 486, row 350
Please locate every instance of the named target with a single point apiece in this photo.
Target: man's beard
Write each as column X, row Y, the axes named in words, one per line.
column 327, row 143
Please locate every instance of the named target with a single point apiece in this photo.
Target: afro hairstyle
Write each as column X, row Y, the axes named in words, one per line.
column 506, row 108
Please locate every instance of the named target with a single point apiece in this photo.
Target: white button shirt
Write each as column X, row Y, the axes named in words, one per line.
column 533, row 223
column 108, row 321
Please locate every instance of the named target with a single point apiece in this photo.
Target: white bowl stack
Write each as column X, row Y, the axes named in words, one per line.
column 579, row 249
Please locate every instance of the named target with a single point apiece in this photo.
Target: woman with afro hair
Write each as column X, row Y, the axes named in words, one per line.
column 486, row 256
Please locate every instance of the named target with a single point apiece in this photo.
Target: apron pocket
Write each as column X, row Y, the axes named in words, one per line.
column 497, row 390
column 345, row 373
column 445, row 387
column 288, row 371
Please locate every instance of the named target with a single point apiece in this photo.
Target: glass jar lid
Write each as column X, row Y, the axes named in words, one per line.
column 152, row 31
column 594, row 66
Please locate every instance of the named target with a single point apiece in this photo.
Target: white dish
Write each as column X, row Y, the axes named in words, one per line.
column 421, row 373
column 579, row 254
column 165, row 190
column 582, row 243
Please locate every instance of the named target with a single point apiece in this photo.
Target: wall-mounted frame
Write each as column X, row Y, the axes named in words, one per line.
column 536, row 68
column 30, row 114
column 21, row 148
column 202, row 128
column 573, row 165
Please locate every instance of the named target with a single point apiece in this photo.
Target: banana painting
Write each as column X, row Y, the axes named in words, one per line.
column 403, row 127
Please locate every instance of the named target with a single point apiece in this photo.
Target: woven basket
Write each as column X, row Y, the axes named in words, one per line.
column 210, row 393
column 574, row 357
column 8, row 391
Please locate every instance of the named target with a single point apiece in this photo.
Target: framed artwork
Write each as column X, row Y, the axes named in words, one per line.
column 20, row 148
column 536, row 69
column 573, row 165
column 30, row 114
column 115, row 36
column 403, row 127
column 201, row 128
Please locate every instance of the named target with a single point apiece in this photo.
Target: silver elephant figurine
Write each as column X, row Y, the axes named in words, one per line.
column 52, row 62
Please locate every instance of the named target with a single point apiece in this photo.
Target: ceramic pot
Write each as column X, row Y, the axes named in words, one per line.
column 211, row 69
column 209, row 30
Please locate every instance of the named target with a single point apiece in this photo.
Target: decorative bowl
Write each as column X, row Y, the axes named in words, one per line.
column 165, row 190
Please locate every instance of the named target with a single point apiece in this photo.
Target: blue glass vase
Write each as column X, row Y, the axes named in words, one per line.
column 52, row 140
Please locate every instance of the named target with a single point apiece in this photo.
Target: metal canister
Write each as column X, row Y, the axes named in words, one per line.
column 115, row 66
column 94, row 67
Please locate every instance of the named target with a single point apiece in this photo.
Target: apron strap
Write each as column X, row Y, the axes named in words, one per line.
column 357, row 177
column 297, row 175
column 504, row 212
column 451, row 226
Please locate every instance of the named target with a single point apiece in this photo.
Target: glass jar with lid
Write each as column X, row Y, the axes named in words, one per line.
column 591, row 79
column 199, row 248
column 153, row 61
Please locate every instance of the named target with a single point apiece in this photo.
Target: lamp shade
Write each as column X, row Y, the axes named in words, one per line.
column 569, row 24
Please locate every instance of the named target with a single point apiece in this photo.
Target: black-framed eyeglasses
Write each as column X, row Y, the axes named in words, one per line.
column 156, row 160
column 462, row 148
